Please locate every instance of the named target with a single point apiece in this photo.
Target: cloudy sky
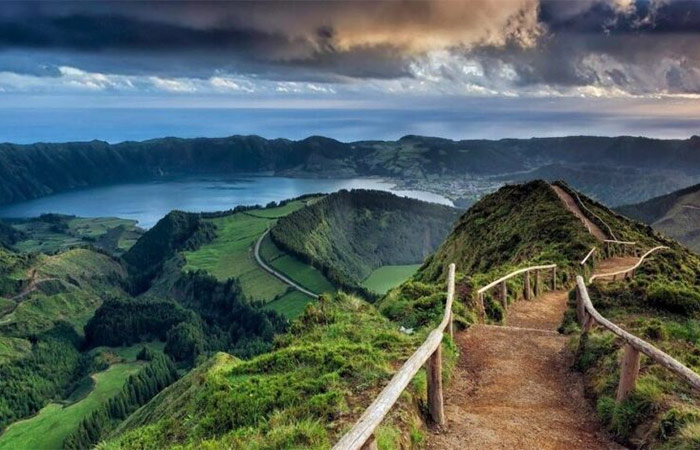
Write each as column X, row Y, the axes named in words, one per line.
column 511, row 67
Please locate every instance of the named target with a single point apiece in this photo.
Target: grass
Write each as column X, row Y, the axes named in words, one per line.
column 304, row 394
column 51, row 426
column 76, row 282
column 110, row 232
column 386, row 277
column 303, row 274
column 230, row 254
column 291, row 304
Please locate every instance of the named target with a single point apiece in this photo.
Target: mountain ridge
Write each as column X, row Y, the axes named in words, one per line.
column 33, row 170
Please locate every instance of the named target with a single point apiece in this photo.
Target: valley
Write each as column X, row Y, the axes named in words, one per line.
column 87, row 295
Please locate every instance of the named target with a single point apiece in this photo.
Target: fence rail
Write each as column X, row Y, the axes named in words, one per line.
column 588, row 255
column 527, row 288
column 361, row 436
column 629, row 371
column 629, row 271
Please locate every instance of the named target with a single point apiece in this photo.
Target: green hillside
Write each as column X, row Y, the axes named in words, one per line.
column 661, row 305
column 51, row 233
column 229, row 253
column 50, row 299
column 517, row 225
column 676, row 215
column 349, row 234
column 301, row 395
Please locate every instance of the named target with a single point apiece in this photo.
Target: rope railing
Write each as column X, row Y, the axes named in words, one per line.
column 361, row 435
column 634, row 346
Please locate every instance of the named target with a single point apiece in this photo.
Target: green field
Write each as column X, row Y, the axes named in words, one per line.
column 299, row 272
column 72, row 287
column 51, row 426
column 290, row 304
column 111, row 233
column 387, row 277
column 230, row 254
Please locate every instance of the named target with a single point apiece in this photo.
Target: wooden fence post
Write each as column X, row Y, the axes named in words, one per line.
column 554, row 278
column 629, row 370
column 451, row 293
column 371, row 444
column 587, row 322
column 504, row 294
column 579, row 306
column 526, row 289
column 482, row 309
column 538, row 284
column 435, row 399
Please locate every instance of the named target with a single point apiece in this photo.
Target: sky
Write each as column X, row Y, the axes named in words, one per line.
column 459, row 69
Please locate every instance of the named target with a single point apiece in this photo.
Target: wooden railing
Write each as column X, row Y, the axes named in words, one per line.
column 527, row 288
column 627, row 272
column 634, row 346
column 361, row 436
column 588, row 256
column 596, row 216
column 614, row 247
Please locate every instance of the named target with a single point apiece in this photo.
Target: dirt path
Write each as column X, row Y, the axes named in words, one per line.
column 514, row 388
column 572, row 206
column 614, row 264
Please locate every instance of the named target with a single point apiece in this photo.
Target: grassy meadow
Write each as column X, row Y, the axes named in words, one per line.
column 111, row 233
column 301, row 273
column 230, row 255
column 386, row 277
column 291, row 305
column 51, row 426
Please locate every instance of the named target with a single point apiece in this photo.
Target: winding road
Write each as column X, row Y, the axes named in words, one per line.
column 273, row 272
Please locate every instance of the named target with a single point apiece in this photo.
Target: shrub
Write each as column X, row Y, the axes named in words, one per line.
column 675, row 299
column 654, row 329
column 676, row 418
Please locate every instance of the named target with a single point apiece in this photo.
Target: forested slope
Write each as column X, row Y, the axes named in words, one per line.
column 350, row 233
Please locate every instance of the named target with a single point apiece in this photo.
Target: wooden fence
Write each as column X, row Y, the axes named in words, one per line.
column 634, row 346
column 527, row 287
column 361, row 436
column 627, row 272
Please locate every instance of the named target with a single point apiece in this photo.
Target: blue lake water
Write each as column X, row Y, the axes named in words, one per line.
column 148, row 202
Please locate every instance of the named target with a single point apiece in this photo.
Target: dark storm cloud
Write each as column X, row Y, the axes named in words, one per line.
column 643, row 46
column 312, row 39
